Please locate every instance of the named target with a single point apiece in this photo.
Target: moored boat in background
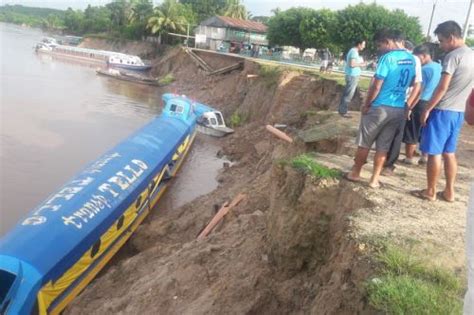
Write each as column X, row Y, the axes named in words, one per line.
column 125, row 76
column 110, row 58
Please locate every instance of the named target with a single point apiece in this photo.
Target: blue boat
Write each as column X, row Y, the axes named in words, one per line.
column 54, row 252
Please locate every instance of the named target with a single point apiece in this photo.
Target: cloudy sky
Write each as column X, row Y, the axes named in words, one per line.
column 445, row 9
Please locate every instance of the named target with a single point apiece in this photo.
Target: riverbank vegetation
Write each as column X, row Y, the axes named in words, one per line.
column 299, row 27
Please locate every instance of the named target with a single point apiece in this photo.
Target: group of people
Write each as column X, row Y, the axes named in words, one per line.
column 413, row 100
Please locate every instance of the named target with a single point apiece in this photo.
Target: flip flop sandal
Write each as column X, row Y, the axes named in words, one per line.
column 421, row 195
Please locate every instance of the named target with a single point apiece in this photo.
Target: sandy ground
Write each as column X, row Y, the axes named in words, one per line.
column 296, row 244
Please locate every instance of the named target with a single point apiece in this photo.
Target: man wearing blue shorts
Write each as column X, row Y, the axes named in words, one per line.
column 384, row 108
column 443, row 116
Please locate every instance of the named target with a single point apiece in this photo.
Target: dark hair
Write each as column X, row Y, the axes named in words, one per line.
column 422, row 50
column 358, row 42
column 448, row 28
column 408, row 45
column 397, row 35
column 383, row 35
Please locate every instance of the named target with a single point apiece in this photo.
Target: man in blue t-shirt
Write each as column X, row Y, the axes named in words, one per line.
column 384, row 108
column 443, row 116
column 352, row 71
column 431, row 73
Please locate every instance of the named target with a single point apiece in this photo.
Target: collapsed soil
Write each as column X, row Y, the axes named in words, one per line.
column 296, row 244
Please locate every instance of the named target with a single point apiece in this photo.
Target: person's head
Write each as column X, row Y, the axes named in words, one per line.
column 424, row 53
column 384, row 40
column 398, row 38
column 408, row 45
column 360, row 44
column 449, row 35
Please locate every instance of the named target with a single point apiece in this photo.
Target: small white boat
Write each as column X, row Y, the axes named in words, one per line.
column 128, row 62
column 212, row 123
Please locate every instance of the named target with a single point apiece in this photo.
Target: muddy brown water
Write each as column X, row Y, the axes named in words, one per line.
column 57, row 115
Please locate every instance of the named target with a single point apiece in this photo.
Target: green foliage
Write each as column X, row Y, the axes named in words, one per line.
column 284, row 28
column 35, row 17
column 167, row 79
column 204, row 9
column 318, row 28
column 237, row 119
column 308, row 165
column 168, row 17
column 235, row 9
column 470, row 42
column 363, row 20
column 407, row 285
column 270, row 74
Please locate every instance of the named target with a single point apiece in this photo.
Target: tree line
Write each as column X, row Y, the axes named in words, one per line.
column 299, row 27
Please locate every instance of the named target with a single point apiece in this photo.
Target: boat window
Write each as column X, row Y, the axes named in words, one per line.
column 176, row 108
column 219, row 119
column 213, row 121
column 120, row 222
column 95, row 248
column 7, row 280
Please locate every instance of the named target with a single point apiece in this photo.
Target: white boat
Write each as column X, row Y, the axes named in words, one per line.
column 128, row 62
column 111, row 58
column 212, row 123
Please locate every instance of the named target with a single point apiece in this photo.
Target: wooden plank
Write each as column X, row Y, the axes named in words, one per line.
column 227, row 69
column 279, row 134
column 220, row 215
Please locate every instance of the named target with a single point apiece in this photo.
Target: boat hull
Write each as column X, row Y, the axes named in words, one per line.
column 54, row 252
column 130, row 67
column 128, row 78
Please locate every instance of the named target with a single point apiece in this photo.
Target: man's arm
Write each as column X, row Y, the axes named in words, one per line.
column 438, row 94
column 354, row 63
column 469, row 114
column 372, row 94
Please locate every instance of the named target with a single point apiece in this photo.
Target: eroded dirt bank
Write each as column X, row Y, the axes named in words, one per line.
column 296, row 244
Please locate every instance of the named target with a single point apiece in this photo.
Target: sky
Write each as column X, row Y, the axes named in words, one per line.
column 445, row 9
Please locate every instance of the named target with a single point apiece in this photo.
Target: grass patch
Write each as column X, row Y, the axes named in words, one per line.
column 408, row 285
column 167, row 79
column 237, row 119
column 270, row 74
column 308, row 165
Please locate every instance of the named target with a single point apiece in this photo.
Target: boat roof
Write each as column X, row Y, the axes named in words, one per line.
column 53, row 236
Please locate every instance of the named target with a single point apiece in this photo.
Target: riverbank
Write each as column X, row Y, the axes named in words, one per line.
column 304, row 240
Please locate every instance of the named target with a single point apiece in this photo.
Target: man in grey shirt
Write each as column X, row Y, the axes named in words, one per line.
column 443, row 116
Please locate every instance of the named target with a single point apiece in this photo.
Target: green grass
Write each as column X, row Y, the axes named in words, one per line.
column 308, row 165
column 167, row 79
column 237, row 119
column 408, row 285
column 270, row 74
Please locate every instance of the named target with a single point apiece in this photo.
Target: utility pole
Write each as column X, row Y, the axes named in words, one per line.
column 466, row 24
column 187, row 36
column 431, row 18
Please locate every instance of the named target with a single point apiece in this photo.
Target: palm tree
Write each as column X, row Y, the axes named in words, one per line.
column 236, row 10
column 140, row 11
column 167, row 17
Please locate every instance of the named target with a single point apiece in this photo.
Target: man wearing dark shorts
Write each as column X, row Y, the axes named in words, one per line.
column 443, row 116
column 384, row 108
column 431, row 74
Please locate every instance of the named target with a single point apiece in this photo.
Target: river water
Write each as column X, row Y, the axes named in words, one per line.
column 57, row 115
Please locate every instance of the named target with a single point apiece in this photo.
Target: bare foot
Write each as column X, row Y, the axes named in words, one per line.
column 445, row 196
column 350, row 177
column 423, row 194
column 375, row 184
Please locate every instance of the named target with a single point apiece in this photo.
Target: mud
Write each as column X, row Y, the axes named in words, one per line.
column 296, row 244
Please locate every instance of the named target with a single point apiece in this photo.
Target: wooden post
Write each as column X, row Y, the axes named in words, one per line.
column 220, row 214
